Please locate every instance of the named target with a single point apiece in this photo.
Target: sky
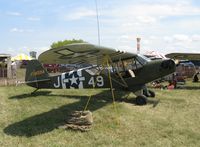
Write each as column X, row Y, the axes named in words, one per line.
column 164, row 26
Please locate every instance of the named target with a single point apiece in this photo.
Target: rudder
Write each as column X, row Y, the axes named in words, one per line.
column 35, row 72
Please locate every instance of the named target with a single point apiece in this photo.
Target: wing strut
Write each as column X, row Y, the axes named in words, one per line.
column 106, row 64
column 124, row 83
column 111, row 87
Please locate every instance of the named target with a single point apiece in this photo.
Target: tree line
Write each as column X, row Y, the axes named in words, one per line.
column 65, row 42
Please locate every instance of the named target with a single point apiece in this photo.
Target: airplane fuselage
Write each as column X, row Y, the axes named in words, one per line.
column 88, row 79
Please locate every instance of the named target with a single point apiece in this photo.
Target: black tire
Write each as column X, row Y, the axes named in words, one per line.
column 141, row 100
column 152, row 93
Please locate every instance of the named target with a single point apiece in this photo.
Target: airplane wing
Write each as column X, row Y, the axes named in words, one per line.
column 184, row 56
column 80, row 53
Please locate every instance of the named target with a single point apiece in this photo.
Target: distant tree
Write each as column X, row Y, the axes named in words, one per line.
column 65, row 42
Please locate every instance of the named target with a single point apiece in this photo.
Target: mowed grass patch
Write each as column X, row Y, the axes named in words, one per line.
column 35, row 120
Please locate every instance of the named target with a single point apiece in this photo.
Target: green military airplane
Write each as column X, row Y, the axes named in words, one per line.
column 109, row 68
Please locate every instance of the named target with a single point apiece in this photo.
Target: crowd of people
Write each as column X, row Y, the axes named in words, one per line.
column 172, row 83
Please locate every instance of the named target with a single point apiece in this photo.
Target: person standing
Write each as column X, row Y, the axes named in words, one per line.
column 195, row 78
column 14, row 69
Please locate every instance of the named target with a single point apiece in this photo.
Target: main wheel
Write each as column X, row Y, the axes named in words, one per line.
column 141, row 100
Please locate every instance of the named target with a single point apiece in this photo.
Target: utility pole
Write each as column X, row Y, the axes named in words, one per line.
column 97, row 15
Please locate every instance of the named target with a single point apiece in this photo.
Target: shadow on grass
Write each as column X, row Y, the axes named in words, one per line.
column 44, row 93
column 152, row 101
column 48, row 121
column 38, row 93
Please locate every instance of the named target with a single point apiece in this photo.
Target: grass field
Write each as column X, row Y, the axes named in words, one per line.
column 27, row 120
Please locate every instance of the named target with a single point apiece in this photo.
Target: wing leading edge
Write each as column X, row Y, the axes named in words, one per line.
column 80, row 53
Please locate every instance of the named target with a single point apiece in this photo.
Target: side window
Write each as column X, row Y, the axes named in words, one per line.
column 115, row 68
column 136, row 64
column 125, row 65
column 128, row 64
column 120, row 66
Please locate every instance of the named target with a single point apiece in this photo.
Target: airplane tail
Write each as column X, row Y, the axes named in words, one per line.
column 35, row 73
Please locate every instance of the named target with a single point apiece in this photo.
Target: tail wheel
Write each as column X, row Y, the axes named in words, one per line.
column 141, row 100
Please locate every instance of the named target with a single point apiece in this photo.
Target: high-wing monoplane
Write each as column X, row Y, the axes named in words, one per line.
column 184, row 56
column 107, row 68
column 194, row 57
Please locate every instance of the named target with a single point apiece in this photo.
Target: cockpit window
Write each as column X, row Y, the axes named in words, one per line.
column 133, row 63
column 136, row 64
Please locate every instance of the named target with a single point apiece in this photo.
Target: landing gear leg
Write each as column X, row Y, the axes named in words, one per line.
column 32, row 93
column 147, row 92
column 152, row 93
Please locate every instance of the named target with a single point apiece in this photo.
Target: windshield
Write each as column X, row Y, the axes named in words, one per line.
column 142, row 59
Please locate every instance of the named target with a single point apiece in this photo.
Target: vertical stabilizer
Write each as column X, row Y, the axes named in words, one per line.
column 35, row 72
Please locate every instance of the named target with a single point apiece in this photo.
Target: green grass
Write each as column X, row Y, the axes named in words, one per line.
column 27, row 120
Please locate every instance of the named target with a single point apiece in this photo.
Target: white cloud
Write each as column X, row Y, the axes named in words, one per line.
column 167, row 39
column 156, row 10
column 138, row 15
column 80, row 14
column 153, row 37
column 140, row 18
column 33, row 18
column 125, row 38
column 26, row 50
column 164, row 26
column 146, row 19
column 10, row 50
column 146, row 42
column 42, row 49
column 181, row 38
column 195, row 37
column 29, row 31
column 14, row 13
column 16, row 30
column 128, row 24
column 181, row 43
